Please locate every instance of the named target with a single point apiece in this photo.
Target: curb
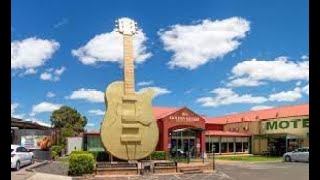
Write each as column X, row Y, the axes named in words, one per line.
column 36, row 166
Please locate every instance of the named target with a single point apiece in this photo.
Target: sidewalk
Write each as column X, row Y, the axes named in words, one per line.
column 41, row 176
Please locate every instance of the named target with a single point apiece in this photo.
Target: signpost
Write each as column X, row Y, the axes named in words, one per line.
column 213, row 150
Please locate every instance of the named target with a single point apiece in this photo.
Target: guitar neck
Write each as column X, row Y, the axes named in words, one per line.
column 128, row 64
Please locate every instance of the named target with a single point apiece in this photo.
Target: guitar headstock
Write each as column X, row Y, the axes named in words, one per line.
column 126, row 26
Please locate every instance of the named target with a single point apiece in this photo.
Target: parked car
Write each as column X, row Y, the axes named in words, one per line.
column 300, row 154
column 20, row 156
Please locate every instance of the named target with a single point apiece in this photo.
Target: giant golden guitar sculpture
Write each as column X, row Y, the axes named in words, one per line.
column 129, row 130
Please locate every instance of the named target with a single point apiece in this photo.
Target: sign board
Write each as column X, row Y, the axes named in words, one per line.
column 30, row 141
column 184, row 117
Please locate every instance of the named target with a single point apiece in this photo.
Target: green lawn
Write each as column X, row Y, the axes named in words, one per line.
column 249, row 158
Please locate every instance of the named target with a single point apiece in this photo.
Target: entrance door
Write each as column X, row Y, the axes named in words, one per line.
column 183, row 142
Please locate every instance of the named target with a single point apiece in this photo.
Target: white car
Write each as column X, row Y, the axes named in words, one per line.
column 20, row 156
column 300, row 154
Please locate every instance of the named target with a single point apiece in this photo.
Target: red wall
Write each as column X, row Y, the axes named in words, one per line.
column 166, row 125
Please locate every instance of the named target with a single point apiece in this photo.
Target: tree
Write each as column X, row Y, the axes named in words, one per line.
column 69, row 120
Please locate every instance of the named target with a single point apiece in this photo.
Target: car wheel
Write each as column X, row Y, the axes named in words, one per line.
column 18, row 166
column 287, row 159
column 32, row 160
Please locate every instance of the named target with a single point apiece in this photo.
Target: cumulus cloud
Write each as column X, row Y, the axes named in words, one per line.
column 14, row 107
column 52, row 74
column 280, row 69
column 44, row 107
column 195, row 45
column 31, row 53
column 91, row 95
column 145, row 83
column 158, row 90
column 108, row 47
column 97, row 112
column 288, row 96
column 255, row 108
column 226, row 96
column 50, row 95
column 240, row 82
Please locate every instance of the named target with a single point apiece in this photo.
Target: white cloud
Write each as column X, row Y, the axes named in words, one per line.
column 32, row 52
column 34, row 120
column 145, row 83
column 305, row 89
column 280, row 69
column 28, row 72
column 195, row 45
column 62, row 22
column 58, row 72
column 289, row 96
column 108, row 47
column 14, row 107
column 241, row 82
column 158, row 90
column 44, row 107
column 46, row 76
column 50, row 95
column 96, row 112
column 298, row 83
column 52, row 74
column 90, row 124
column 226, row 96
column 305, row 57
column 254, row 108
column 91, row 95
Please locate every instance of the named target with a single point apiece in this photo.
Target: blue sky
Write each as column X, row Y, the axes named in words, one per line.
column 214, row 57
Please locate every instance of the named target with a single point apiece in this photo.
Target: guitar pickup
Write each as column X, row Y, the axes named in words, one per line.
column 126, row 118
column 130, row 138
column 127, row 97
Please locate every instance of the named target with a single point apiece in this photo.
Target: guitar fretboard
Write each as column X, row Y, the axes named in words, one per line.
column 128, row 64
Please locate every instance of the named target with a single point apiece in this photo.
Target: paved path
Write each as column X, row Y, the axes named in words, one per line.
column 44, row 176
column 22, row 174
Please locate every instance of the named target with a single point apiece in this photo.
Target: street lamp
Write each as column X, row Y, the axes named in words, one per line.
column 213, row 147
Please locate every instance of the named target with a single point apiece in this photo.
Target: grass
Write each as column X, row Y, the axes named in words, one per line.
column 254, row 158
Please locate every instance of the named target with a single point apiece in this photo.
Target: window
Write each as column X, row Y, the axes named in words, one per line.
column 21, row 149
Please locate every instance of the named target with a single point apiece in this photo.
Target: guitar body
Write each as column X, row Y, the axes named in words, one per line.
column 129, row 130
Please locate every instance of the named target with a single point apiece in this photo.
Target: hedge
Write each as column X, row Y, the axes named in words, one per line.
column 158, row 155
column 57, row 149
column 81, row 162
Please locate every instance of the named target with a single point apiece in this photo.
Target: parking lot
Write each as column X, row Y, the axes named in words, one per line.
column 264, row 171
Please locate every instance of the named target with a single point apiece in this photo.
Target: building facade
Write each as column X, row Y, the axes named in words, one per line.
column 270, row 131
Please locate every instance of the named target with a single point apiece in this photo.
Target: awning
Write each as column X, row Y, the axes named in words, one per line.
column 226, row 133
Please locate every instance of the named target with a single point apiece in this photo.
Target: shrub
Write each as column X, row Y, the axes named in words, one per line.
column 81, row 162
column 158, row 155
column 57, row 149
column 54, row 154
